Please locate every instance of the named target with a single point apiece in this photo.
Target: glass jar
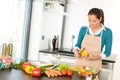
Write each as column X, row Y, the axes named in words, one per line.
column 58, row 58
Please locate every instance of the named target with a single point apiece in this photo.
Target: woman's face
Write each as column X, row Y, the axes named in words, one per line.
column 94, row 22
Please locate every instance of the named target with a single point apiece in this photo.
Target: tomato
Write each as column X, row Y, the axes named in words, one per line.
column 69, row 72
column 64, row 72
column 24, row 65
column 36, row 72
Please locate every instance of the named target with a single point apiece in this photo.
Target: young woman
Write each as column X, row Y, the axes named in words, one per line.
column 93, row 38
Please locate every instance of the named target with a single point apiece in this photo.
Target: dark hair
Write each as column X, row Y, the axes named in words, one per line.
column 98, row 12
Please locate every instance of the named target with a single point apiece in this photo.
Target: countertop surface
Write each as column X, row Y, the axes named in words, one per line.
column 13, row 74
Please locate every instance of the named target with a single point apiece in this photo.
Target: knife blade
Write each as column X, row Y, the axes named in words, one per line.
column 55, row 66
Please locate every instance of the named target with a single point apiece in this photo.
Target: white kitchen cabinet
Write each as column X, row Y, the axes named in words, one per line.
column 43, row 57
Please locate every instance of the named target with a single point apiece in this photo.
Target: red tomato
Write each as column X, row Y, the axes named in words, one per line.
column 64, row 72
column 69, row 72
column 24, row 65
column 36, row 72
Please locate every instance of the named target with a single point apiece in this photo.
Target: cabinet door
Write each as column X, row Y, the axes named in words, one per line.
column 44, row 57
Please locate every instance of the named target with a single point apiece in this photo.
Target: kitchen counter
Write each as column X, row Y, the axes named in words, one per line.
column 13, row 74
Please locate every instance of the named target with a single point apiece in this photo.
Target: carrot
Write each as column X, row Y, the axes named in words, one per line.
column 47, row 73
column 58, row 72
column 52, row 71
column 51, row 74
column 55, row 72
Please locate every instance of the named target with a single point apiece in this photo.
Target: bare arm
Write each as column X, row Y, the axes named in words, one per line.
column 93, row 57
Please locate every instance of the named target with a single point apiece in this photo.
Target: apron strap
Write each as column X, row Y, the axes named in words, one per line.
column 88, row 30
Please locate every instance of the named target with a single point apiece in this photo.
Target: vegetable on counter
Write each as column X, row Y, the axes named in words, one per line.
column 29, row 69
column 25, row 64
column 52, row 73
column 44, row 68
column 17, row 66
column 62, row 67
column 36, row 72
column 69, row 72
column 61, row 70
column 64, row 72
column 49, row 65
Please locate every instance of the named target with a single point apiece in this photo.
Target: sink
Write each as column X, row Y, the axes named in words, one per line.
column 65, row 50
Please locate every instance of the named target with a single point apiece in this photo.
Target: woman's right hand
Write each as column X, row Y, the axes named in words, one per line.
column 76, row 53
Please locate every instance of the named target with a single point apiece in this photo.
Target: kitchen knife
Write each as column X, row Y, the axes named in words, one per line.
column 55, row 66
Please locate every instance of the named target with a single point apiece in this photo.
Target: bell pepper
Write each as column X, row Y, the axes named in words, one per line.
column 36, row 72
column 25, row 64
column 28, row 69
column 84, row 54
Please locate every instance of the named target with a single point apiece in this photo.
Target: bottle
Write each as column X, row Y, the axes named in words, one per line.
column 57, row 43
column 49, row 44
column 58, row 58
column 54, row 42
column 4, row 47
column 9, row 49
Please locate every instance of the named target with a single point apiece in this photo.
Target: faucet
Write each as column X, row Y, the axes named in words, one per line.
column 72, row 40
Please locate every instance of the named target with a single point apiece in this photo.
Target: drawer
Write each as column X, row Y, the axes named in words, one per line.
column 107, row 65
